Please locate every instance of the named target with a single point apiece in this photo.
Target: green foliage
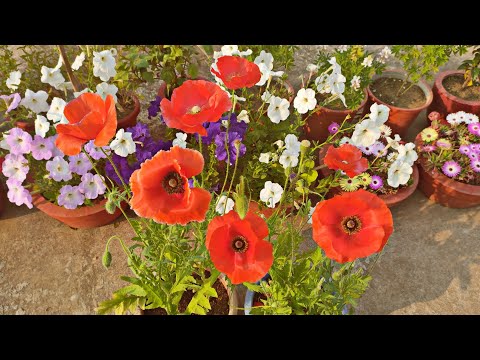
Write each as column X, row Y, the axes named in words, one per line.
column 424, row 61
column 471, row 66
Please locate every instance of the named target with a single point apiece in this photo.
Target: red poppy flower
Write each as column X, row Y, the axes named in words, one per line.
column 193, row 103
column 347, row 158
column 160, row 188
column 352, row 225
column 237, row 72
column 90, row 118
column 237, row 247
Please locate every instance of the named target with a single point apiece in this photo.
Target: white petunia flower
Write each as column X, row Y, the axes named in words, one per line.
column 342, row 48
column 278, row 143
column 14, row 80
column 266, row 73
column 312, row 68
column 105, row 89
column 399, row 174
column 243, row 116
column 407, row 153
column 368, row 61
column 78, row 61
column 264, row 158
column 180, row 140
column 229, row 50
column 55, row 113
column 65, row 86
column 337, row 69
column 123, row 144
column 264, row 58
column 35, row 101
column 278, row 109
column 78, row 93
column 266, row 96
column 355, row 82
column 292, row 143
column 305, row 101
column 224, row 205
column 366, row 133
column 271, row 193
column 51, row 76
column 3, row 142
column 385, row 54
column 336, row 82
column 288, row 159
column 42, row 125
column 395, row 142
column 104, row 65
column 322, row 86
column 379, row 113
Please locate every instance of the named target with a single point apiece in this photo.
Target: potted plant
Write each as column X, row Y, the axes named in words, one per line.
column 405, row 91
column 389, row 169
column 346, row 71
column 187, row 234
column 458, row 90
column 448, row 161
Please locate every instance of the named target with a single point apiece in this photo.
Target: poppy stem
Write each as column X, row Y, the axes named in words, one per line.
column 226, row 141
column 95, row 168
column 237, row 149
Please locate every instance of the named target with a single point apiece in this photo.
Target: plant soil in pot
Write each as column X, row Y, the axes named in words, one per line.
column 84, row 217
column 317, row 124
column 225, row 304
column 449, row 95
column 128, row 116
column 390, row 200
column 444, row 190
column 390, row 89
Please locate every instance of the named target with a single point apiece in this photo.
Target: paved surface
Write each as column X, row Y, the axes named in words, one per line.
column 431, row 264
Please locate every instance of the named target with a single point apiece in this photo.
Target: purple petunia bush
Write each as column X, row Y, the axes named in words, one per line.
column 452, row 146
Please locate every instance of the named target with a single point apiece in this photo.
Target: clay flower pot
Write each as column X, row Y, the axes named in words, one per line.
column 444, row 190
column 232, row 301
column 26, row 126
column 400, row 119
column 389, row 199
column 317, row 124
column 131, row 119
column 85, row 217
column 446, row 103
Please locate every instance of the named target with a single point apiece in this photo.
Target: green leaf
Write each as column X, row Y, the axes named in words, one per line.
column 193, row 71
column 147, row 75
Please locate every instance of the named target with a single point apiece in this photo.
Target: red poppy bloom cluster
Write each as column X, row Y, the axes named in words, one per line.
column 194, row 103
column 89, row 118
column 237, row 72
column 352, row 225
column 160, row 188
column 237, row 247
column 347, row 158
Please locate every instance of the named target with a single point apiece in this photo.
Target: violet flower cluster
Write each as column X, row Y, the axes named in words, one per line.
column 146, row 148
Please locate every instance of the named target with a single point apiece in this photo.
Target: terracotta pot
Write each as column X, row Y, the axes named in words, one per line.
column 232, row 296
column 444, row 190
column 389, row 199
column 26, row 126
column 446, row 103
column 85, row 217
column 317, row 124
column 400, row 119
column 131, row 119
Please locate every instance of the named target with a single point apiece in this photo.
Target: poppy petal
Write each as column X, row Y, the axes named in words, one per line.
column 76, row 109
column 69, row 145
column 110, row 125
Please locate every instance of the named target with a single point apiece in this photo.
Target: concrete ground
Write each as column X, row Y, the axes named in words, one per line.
column 431, row 264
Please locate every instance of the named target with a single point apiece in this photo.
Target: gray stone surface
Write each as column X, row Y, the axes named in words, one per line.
column 431, row 264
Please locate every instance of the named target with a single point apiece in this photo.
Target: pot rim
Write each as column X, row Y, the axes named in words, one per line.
column 400, row 74
column 441, row 89
column 467, row 189
column 136, row 107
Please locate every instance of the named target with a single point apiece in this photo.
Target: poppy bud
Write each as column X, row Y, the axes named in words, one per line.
column 106, row 259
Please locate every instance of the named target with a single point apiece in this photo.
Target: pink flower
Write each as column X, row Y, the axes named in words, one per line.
column 59, row 169
column 19, row 141
column 17, row 194
column 70, row 197
column 42, row 148
column 15, row 167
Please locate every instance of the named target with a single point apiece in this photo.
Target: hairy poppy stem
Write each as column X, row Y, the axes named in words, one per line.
column 125, row 186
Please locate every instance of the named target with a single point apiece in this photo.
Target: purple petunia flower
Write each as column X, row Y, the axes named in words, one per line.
column 451, row 168
column 376, row 182
column 464, row 149
column 79, row 164
column 95, row 152
column 215, row 128
column 19, row 141
column 190, row 183
column 17, row 194
column 333, row 128
column 474, row 129
column 15, row 167
column 221, row 149
column 56, row 151
column 70, row 197
column 41, row 148
column 59, row 169
column 475, row 165
column 429, row 148
column 139, row 132
column 215, row 188
column 92, row 186
column 154, row 107
column 13, row 104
